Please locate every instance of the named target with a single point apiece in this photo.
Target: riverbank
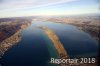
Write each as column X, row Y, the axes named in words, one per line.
column 12, row 40
column 9, row 42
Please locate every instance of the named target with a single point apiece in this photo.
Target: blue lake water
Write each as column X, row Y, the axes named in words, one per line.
column 36, row 49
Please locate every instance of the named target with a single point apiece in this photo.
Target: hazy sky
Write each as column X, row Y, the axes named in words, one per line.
column 14, row 8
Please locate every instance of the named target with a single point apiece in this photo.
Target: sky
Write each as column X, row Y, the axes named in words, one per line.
column 17, row 8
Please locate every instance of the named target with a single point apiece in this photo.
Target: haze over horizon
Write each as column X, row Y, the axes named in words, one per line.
column 17, row 8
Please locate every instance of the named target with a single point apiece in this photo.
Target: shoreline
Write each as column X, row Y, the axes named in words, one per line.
column 9, row 42
column 6, row 44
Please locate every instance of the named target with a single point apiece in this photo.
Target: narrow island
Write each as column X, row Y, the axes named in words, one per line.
column 62, row 54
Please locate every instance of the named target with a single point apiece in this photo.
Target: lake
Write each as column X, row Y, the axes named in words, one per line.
column 36, row 49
